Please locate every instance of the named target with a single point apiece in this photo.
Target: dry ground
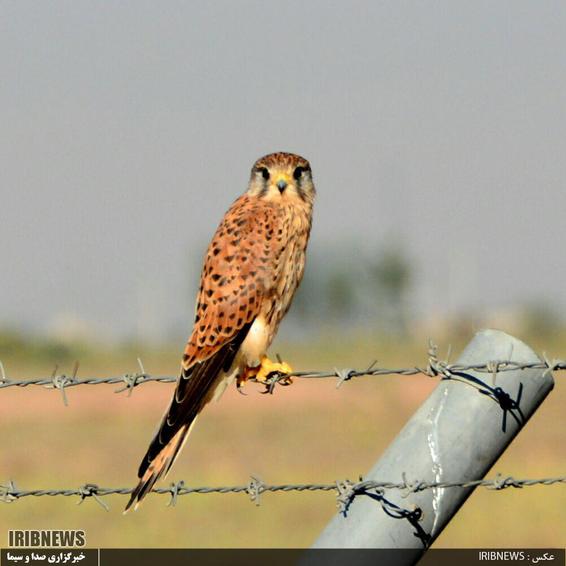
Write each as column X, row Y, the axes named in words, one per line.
column 309, row 432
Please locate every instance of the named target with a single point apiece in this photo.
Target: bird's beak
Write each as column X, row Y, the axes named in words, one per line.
column 281, row 182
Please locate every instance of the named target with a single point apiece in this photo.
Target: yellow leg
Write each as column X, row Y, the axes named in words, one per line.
column 267, row 367
column 263, row 372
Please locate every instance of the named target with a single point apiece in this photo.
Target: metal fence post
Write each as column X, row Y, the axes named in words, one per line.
column 457, row 434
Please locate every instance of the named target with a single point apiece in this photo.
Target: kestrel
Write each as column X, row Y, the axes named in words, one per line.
column 251, row 271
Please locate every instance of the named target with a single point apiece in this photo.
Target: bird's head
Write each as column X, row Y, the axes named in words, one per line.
column 282, row 176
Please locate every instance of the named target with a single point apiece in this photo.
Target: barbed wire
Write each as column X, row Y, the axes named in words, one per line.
column 434, row 368
column 345, row 490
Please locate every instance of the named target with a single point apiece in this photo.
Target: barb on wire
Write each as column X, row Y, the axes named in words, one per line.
column 435, row 367
column 91, row 490
column 56, row 381
column 174, row 489
column 132, row 380
column 255, row 489
column 345, row 490
column 6, row 492
column 60, row 381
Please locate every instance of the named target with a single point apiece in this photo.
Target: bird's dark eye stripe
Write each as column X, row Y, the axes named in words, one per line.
column 264, row 172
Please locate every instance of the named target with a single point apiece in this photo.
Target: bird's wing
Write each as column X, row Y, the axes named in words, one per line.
column 241, row 265
column 239, row 269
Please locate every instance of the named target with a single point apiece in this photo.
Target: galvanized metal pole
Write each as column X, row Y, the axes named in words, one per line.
column 457, row 434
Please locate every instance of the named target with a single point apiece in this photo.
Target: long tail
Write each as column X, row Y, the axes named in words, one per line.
column 194, row 390
column 190, row 397
column 159, row 466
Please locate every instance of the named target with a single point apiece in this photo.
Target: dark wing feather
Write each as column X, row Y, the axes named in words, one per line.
column 192, row 388
column 242, row 263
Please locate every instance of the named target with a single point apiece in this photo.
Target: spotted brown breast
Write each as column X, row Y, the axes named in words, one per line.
column 252, row 268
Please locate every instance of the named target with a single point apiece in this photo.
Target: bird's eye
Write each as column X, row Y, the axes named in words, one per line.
column 298, row 172
column 264, row 172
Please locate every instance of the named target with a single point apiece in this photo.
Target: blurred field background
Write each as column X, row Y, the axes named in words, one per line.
column 436, row 138
column 309, row 432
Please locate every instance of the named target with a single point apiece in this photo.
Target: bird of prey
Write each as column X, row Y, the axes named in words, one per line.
column 251, row 271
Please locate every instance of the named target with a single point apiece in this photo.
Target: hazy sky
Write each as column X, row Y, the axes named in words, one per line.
column 129, row 127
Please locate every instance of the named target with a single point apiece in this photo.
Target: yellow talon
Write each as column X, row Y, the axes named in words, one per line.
column 267, row 367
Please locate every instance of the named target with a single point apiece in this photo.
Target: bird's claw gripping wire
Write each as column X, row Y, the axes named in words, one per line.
column 275, row 378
